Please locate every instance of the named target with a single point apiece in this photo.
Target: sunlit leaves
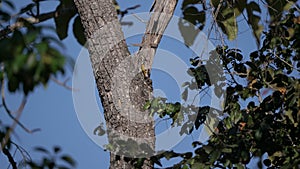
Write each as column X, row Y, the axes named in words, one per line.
column 162, row 108
column 226, row 14
column 262, row 104
column 228, row 24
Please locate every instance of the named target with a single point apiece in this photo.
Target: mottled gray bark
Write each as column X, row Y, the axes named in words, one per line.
column 122, row 86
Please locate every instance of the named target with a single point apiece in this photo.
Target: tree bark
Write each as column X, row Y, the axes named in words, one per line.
column 123, row 87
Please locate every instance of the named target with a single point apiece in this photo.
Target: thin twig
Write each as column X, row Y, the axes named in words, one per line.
column 268, row 6
column 292, row 3
column 25, row 155
column 259, row 97
column 166, row 119
column 236, row 73
column 204, row 89
column 215, row 22
column 42, row 17
column 10, row 158
column 22, row 150
column 284, row 61
column 63, row 84
column 231, row 75
column 139, row 18
column 14, row 154
column 15, row 119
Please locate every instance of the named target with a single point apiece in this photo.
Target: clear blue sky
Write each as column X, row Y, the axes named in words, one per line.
column 52, row 109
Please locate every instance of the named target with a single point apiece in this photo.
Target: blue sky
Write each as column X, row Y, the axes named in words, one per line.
column 52, row 108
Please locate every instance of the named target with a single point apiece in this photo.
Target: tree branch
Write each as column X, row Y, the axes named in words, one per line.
column 25, row 155
column 63, row 84
column 162, row 12
column 15, row 119
column 34, row 20
column 291, row 66
column 10, row 158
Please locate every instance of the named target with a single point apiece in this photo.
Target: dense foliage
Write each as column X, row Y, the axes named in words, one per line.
column 262, row 91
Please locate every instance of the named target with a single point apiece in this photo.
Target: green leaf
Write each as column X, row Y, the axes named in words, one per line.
column 8, row 3
column 69, row 160
column 155, row 103
column 188, row 31
column 231, row 28
column 254, row 19
column 214, row 156
column 185, row 167
column 170, row 154
column 187, row 155
column 277, row 7
column 13, row 84
column 56, row 149
column 147, row 105
column 184, row 95
column 185, row 84
column 289, row 4
column 62, row 21
column 227, row 150
column 78, row 31
column 227, row 123
column 258, row 134
column 215, row 3
column 4, row 16
column 42, row 150
column 18, row 63
column 253, row 6
column 239, row 7
column 31, row 36
column 189, row 2
column 289, row 114
column 67, row 2
column 62, row 167
column 218, row 91
column 239, row 166
column 208, row 149
column 194, row 16
column 42, row 47
column 267, row 162
column 156, row 160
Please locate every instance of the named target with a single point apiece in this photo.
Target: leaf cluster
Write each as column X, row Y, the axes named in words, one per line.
column 262, row 103
column 27, row 59
column 52, row 160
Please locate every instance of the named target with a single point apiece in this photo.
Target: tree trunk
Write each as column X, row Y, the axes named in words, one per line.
column 123, row 85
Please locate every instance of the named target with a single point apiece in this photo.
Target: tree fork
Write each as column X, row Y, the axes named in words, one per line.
column 108, row 53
